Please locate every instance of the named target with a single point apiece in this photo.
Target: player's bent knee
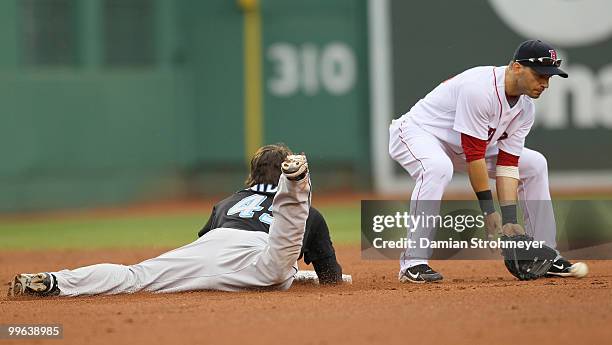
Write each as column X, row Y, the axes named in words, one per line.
column 438, row 170
column 533, row 163
column 541, row 162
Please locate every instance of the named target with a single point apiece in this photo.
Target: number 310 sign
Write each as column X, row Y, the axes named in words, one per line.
column 309, row 68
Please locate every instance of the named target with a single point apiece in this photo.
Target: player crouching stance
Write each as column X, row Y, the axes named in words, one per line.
column 224, row 259
column 477, row 122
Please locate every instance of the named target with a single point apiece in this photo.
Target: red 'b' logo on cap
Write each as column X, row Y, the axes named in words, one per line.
column 553, row 54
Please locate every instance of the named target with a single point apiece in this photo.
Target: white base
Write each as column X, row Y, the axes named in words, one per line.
column 311, row 277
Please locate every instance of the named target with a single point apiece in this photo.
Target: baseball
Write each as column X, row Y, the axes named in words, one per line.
column 579, row 270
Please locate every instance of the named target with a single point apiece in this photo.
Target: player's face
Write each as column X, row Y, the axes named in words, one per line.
column 531, row 83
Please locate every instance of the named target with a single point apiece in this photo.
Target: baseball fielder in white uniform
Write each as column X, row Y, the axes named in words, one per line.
column 476, row 122
column 224, row 259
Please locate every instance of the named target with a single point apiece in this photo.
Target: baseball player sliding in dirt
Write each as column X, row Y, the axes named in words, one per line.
column 477, row 122
column 243, row 248
column 250, row 209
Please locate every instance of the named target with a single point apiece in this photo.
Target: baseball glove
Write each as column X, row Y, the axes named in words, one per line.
column 526, row 263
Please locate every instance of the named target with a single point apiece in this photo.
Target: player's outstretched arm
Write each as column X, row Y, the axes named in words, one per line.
column 506, row 180
column 474, row 149
column 479, row 178
column 319, row 250
column 328, row 270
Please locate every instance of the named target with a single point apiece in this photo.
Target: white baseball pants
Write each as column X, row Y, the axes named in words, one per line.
column 223, row 259
column 431, row 163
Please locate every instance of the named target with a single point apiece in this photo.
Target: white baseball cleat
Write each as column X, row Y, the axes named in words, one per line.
column 295, row 167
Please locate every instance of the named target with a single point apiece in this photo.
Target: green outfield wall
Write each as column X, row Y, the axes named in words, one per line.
column 111, row 101
column 108, row 102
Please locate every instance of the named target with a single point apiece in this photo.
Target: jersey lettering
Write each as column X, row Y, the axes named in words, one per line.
column 492, row 133
column 267, row 217
column 246, row 208
column 264, row 188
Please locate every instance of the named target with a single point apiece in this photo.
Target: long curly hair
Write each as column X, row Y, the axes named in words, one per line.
column 266, row 164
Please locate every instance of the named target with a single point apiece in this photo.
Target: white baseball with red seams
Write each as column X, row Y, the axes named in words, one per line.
column 426, row 142
column 579, row 270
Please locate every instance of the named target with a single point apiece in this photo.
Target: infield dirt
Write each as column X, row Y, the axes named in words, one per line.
column 477, row 303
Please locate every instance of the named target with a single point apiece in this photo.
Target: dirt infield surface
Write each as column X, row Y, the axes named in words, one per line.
column 477, row 303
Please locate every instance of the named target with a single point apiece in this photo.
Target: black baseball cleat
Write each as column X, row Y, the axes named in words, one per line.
column 420, row 274
column 40, row 284
column 295, row 167
column 560, row 268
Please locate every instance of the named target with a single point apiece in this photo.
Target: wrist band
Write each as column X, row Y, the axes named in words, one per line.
column 508, row 214
column 485, row 200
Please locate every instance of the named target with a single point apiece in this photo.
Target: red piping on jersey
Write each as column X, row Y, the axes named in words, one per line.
column 497, row 92
column 500, row 113
column 507, row 159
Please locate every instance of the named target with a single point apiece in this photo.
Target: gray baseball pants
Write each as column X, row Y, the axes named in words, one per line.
column 223, row 259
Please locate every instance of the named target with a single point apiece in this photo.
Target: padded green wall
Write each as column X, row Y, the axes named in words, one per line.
column 89, row 134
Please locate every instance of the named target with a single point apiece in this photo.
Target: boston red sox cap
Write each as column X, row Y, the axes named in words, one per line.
column 540, row 56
